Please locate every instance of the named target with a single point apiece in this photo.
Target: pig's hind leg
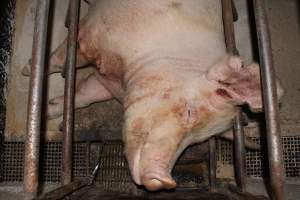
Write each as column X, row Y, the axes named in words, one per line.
column 57, row 60
column 89, row 90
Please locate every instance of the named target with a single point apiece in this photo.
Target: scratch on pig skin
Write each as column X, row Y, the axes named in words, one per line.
column 196, row 116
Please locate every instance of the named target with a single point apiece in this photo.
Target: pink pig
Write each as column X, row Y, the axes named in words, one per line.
column 166, row 62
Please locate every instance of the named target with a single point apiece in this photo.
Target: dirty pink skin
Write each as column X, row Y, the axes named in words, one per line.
column 166, row 62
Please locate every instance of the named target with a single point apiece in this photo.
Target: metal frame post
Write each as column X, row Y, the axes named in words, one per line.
column 227, row 14
column 270, row 101
column 32, row 143
column 239, row 144
column 239, row 152
column 68, row 117
column 212, row 165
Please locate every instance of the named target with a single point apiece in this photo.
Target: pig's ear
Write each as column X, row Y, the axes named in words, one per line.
column 237, row 83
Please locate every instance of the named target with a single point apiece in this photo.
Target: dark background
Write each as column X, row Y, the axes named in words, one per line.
column 7, row 9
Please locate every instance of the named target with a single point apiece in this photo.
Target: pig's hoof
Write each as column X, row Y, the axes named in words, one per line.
column 154, row 184
column 26, row 70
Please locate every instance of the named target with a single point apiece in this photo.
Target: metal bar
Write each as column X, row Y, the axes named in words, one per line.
column 74, row 186
column 65, row 190
column 239, row 152
column 67, row 18
column 229, row 14
column 234, row 11
column 212, row 164
column 229, row 27
column 98, row 164
column 32, row 147
column 270, row 101
column 239, row 144
column 88, row 156
column 68, row 117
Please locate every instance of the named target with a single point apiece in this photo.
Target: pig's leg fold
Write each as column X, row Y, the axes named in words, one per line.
column 89, row 90
column 57, row 60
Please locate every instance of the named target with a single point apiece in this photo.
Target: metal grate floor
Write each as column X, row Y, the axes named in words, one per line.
column 256, row 161
column 114, row 174
column 114, row 170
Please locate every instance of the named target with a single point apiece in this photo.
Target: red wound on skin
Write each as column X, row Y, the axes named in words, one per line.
column 223, row 93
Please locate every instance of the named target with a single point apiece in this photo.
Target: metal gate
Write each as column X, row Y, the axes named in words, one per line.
column 114, row 164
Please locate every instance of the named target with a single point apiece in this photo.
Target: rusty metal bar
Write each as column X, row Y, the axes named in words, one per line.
column 212, row 164
column 68, row 117
column 270, row 101
column 239, row 152
column 32, row 147
column 239, row 144
column 227, row 14
column 65, row 190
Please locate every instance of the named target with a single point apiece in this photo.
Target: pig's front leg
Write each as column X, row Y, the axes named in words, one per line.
column 57, row 60
column 88, row 91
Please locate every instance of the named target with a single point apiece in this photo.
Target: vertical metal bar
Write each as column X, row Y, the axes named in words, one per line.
column 32, row 147
column 270, row 101
column 240, row 164
column 212, row 164
column 229, row 27
column 239, row 152
column 235, row 14
column 68, row 117
column 88, row 155
column 67, row 18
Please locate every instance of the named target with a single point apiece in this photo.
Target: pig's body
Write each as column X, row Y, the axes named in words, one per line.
column 143, row 31
column 129, row 34
column 166, row 62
